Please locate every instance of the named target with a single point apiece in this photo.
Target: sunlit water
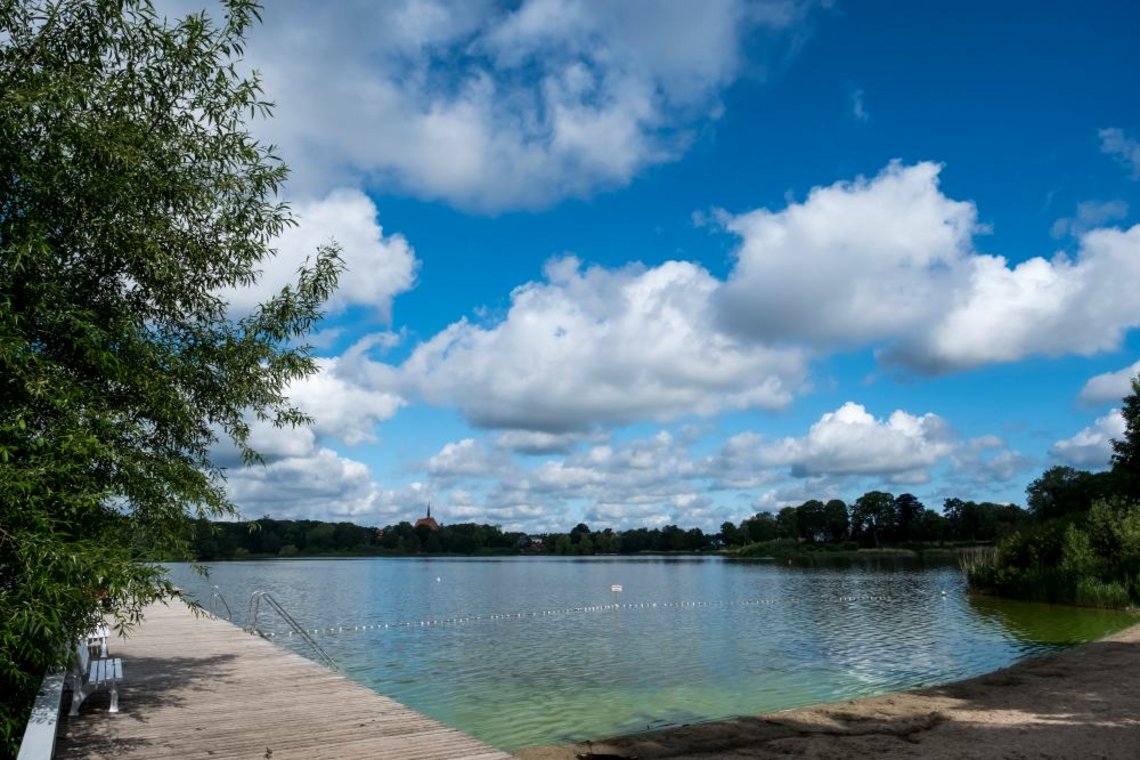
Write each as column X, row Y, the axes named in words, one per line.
column 535, row 650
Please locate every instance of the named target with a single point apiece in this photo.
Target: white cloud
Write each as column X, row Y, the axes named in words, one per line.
column 467, row 459
column 537, row 442
column 1125, row 149
column 660, row 479
column 276, row 443
column 850, row 441
column 617, row 484
column 891, row 261
column 319, row 485
column 1110, row 387
column 1092, row 446
column 987, row 460
column 347, row 397
column 492, row 105
column 855, row 262
column 379, row 267
column 602, row 347
column 1090, row 214
column 1083, row 305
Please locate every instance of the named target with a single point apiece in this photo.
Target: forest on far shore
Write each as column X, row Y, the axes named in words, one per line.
column 875, row 519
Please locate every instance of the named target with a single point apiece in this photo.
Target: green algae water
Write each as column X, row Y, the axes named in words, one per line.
column 524, row 651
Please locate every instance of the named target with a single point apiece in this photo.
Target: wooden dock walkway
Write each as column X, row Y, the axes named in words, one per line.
column 197, row 687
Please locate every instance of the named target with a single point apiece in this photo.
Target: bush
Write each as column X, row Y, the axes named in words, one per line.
column 1090, row 559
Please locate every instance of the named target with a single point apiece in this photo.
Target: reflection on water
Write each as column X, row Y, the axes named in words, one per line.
column 533, row 650
column 1047, row 625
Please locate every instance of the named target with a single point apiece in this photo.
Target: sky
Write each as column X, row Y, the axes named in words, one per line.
column 650, row 263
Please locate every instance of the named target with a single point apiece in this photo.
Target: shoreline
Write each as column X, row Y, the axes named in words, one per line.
column 1083, row 701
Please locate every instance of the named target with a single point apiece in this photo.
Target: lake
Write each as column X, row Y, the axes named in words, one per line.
column 522, row 651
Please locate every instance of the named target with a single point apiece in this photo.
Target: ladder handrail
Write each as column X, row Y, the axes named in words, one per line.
column 251, row 624
column 216, row 597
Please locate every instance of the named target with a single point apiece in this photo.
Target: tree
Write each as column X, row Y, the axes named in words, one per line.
column 1126, row 451
column 732, row 535
column 908, row 515
column 837, row 522
column 132, row 197
column 787, row 523
column 873, row 517
column 761, row 527
column 1063, row 490
column 811, row 520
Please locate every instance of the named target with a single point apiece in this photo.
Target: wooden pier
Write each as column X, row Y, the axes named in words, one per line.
column 197, row 687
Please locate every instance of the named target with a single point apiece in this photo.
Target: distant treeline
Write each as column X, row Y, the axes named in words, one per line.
column 289, row 538
column 875, row 519
column 878, row 518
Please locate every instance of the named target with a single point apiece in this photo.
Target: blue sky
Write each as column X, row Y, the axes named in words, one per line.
column 646, row 263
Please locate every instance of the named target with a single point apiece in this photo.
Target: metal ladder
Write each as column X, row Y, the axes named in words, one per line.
column 255, row 600
column 216, row 598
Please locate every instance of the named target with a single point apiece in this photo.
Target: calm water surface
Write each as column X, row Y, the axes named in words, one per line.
column 535, row 650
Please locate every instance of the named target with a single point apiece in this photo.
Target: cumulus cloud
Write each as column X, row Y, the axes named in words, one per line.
column 661, row 478
column 1092, row 446
column 347, row 397
column 323, row 485
column 1114, row 142
column 652, row 480
column 593, row 346
column 379, row 267
column 850, row 441
column 466, row 459
column 1081, row 305
column 494, row 105
column 891, row 261
column 1110, row 387
column 855, row 262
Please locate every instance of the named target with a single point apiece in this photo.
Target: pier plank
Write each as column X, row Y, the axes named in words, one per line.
column 197, row 687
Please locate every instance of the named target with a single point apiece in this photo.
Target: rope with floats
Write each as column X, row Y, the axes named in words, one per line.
column 563, row 611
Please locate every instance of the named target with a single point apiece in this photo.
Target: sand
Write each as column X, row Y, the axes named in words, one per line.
column 1082, row 702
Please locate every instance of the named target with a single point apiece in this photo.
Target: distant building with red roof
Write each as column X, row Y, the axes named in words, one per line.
column 428, row 521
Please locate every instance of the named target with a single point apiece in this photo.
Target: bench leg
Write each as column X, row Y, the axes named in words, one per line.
column 114, row 698
column 77, row 697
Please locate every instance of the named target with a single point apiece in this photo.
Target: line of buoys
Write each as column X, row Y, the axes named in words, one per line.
column 570, row 611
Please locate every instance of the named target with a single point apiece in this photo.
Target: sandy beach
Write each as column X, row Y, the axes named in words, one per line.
column 1083, row 702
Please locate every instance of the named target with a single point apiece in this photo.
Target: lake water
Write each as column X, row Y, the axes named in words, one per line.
column 523, row 651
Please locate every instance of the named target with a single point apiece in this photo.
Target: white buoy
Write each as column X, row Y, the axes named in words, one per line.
column 438, row 579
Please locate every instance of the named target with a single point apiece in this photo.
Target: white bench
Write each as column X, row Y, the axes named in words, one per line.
column 89, row 675
column 98, row 636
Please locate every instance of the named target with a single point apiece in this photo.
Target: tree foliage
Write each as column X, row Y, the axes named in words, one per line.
column 1126, row 450
column 1064, row 490
column 873, row 517
column 1083, row 543
column 132, row 197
